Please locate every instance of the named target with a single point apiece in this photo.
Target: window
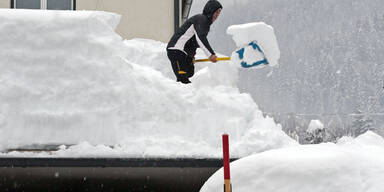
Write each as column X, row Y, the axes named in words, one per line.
column 28, row 4
column 44, row 4
column 59, row 4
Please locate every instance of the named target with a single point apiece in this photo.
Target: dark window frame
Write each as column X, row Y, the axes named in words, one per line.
column 73, row 4
column 185, row 9
column 176, row 6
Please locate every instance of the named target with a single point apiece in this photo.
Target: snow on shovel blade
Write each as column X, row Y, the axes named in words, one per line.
column 257, row 45
column 251, row 56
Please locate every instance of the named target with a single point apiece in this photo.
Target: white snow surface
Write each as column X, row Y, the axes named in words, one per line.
column 350, row 165
column 262, row 34
column 67, row 78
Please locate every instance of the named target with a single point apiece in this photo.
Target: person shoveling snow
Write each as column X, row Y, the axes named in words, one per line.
column 192, row 34
column 256, row 43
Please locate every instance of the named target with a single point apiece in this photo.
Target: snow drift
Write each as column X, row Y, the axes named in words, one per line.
column 350, row 165
column 68, row 78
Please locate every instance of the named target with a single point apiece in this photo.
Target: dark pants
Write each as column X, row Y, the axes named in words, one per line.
column 182, row 65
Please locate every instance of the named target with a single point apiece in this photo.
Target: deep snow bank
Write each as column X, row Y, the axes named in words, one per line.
column 350, row 165
column 68, row 78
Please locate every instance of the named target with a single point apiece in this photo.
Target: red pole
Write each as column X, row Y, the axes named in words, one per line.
column 227, row 177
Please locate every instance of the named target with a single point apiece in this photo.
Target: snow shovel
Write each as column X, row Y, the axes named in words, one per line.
column 218, row 59
column 203, row 60
column 248, row 56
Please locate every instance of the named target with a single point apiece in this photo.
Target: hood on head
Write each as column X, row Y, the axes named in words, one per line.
column 211, row 7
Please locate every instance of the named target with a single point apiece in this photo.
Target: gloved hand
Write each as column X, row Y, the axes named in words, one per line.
column 213, row 58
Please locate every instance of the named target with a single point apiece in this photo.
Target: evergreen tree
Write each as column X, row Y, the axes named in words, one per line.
column 361, row 124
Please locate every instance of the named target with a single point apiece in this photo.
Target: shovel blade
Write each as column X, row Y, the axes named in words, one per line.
column 250, row 55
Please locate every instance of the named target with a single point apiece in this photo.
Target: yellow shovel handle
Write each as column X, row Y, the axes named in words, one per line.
column 218, row 59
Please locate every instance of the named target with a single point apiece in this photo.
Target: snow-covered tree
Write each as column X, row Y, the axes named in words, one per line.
column 315, row 132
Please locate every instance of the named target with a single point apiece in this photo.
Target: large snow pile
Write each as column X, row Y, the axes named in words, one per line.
column 68, row 78
column 350, row 165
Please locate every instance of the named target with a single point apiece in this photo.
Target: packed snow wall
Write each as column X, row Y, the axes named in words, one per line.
column 68, row 78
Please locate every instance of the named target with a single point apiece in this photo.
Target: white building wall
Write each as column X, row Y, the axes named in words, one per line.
column 5, row 4
column 151, row 19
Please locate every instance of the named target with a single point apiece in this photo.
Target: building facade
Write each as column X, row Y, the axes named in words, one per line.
column 150, row 19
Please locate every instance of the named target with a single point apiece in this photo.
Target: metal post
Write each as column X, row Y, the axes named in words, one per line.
column 227, row 177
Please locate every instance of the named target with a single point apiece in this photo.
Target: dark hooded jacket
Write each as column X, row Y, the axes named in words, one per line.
column 193, row 33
